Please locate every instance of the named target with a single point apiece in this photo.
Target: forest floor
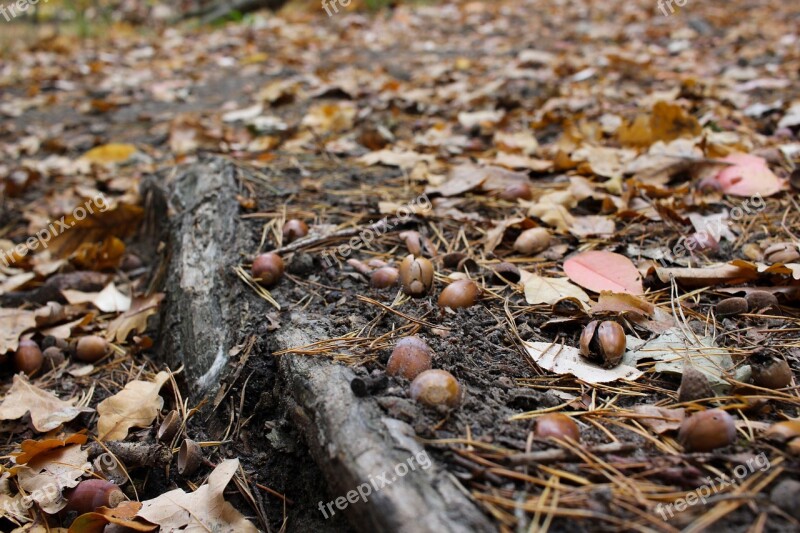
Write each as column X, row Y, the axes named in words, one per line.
column 656, row 153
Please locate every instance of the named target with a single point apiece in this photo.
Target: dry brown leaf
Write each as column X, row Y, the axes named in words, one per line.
column 47, row 411
column 203, row 510
column 541, row 290
column 122, row 515
column 567, row 360
column 137, row 405
column 660, row 419
column 13, row 323
column 135, row 319
column 121, row 222
column 46, row 475
column 709, row 276
column 109, row 300
column 32, row 448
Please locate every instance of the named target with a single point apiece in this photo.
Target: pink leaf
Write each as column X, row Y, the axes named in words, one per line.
column 604, row 271
column 747, row 176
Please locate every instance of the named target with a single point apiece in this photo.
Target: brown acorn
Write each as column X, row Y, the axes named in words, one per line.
column 53, row 357
column 707, row 430
column 28, row 357
column 532, row 241
column 694, row 386
column 603, row 343
column 557, row 425
column 459, row 294
column 294, row 229
column 416, row 276
column 91, row 349
column 91, row 494
column 731, row 307
column 436, row 388
column 384, row 277
column 776, row 374
column 411, row 357
column 268, row 269
column 762, row 301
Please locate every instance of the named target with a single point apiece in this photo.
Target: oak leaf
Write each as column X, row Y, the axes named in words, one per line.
column 47, row 411
column 137, row 405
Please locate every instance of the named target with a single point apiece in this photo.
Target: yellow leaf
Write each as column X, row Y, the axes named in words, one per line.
column 110, row 153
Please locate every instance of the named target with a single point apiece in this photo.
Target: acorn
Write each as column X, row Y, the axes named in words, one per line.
column 762, row 301
column 268, row 269
column 773, row 375
column 517, row 191
column 411, row 357
column 91, row 494
column 731, row 307
column 91, row 349
column 783, row 431
column 190, row 457
column 28, row 357
column 557, row 425
column 460, row 293
column 169, row 427
column 436, row 388
column 384, row 277
column 413, row 242
column 53, row 357
column 694, row 385
column 603, row 343
column 416, row 276
column 294, row 229
column 532, row 241
column 707, row 430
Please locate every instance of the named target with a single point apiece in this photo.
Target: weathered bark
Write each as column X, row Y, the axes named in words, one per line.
column 350, row 438
column 195, row 331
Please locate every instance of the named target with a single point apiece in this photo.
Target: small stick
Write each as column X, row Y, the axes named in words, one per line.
column 554, row 456
column 312, row 240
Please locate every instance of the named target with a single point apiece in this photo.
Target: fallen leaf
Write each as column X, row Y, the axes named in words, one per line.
column 660, row 419
column 45, row 476
column 748, row 175
column 203, row 510
column 567, row 360
column 47, row 411
column 601, row 271
column 709, row 276
column 32, row 448
column 109, row 300
column 110, row 153
column 134, row 320
column 137, row 405
column 13, row 323
column 541, row 290
column 673, row 348
column 122, row 515
column 391, row 158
